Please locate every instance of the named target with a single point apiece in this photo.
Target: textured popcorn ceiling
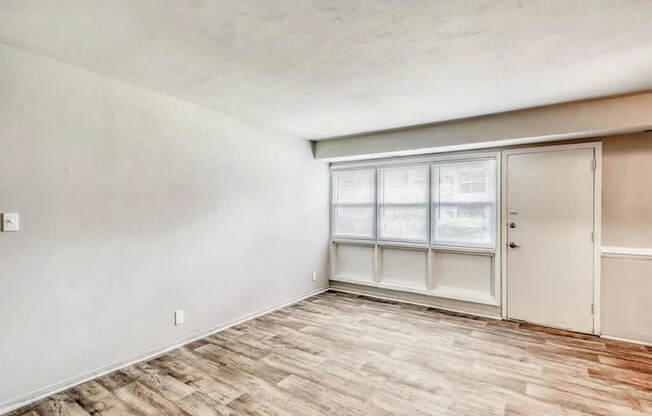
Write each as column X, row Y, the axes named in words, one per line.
column 316, row 69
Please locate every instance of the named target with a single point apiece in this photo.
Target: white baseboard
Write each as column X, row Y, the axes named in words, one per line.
column 44, row 392
column 631, row 341
column 398, row 298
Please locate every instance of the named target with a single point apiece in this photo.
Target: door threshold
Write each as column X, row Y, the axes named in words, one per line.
column 551, row 328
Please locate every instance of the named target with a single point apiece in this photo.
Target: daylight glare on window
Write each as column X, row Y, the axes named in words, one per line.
column 464, row 203
column 353, row 203
column 444, row 202
column 403, row 203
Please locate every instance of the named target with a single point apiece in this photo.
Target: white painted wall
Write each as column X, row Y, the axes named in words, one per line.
column 133, row 205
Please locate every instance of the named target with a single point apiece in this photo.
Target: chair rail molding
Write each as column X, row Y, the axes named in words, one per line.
column 641, row 253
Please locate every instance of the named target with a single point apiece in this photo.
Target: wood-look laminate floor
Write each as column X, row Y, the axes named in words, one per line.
column 340, row 354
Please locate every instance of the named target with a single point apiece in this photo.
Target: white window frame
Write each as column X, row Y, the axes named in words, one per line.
column 412, row 161
column 494, row 252
column 381, row 182
column 374, row 205
column 495, row 220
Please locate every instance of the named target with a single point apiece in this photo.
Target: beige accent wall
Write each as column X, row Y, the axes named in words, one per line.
column 627, row 222
column 588, row 119
column 627, row 191
column 627, row 299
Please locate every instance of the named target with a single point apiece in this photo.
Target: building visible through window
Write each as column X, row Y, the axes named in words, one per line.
column 461, row 203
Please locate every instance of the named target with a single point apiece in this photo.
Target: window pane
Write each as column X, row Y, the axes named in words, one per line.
column 464, row 203
column 403, row 204
column 354, row 194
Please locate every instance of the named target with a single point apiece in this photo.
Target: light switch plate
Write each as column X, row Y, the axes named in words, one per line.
column 10, row 222
column 178, row 317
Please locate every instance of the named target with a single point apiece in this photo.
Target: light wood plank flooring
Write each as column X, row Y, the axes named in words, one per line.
column 340, row 354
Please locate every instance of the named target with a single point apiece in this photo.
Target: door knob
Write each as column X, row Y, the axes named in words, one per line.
column 512, row 225
column 513, row 245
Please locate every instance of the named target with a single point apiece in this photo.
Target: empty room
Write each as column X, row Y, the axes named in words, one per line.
column 315, row 207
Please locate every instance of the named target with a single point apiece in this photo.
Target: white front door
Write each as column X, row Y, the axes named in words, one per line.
column 550, row 217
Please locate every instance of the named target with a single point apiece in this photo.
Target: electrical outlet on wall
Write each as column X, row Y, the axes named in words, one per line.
column 314, row 276
column 178, row 317
column 10, row 222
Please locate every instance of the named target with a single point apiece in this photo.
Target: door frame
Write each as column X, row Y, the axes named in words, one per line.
column 597, row 219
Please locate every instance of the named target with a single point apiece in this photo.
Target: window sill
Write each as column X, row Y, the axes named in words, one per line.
column 397, row 244
column 470, row 250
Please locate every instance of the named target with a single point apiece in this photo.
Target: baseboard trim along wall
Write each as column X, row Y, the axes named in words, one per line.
column 627, row 252
column 405, row 297
column 41, row 393
column 396, row 297
column 632, row 341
